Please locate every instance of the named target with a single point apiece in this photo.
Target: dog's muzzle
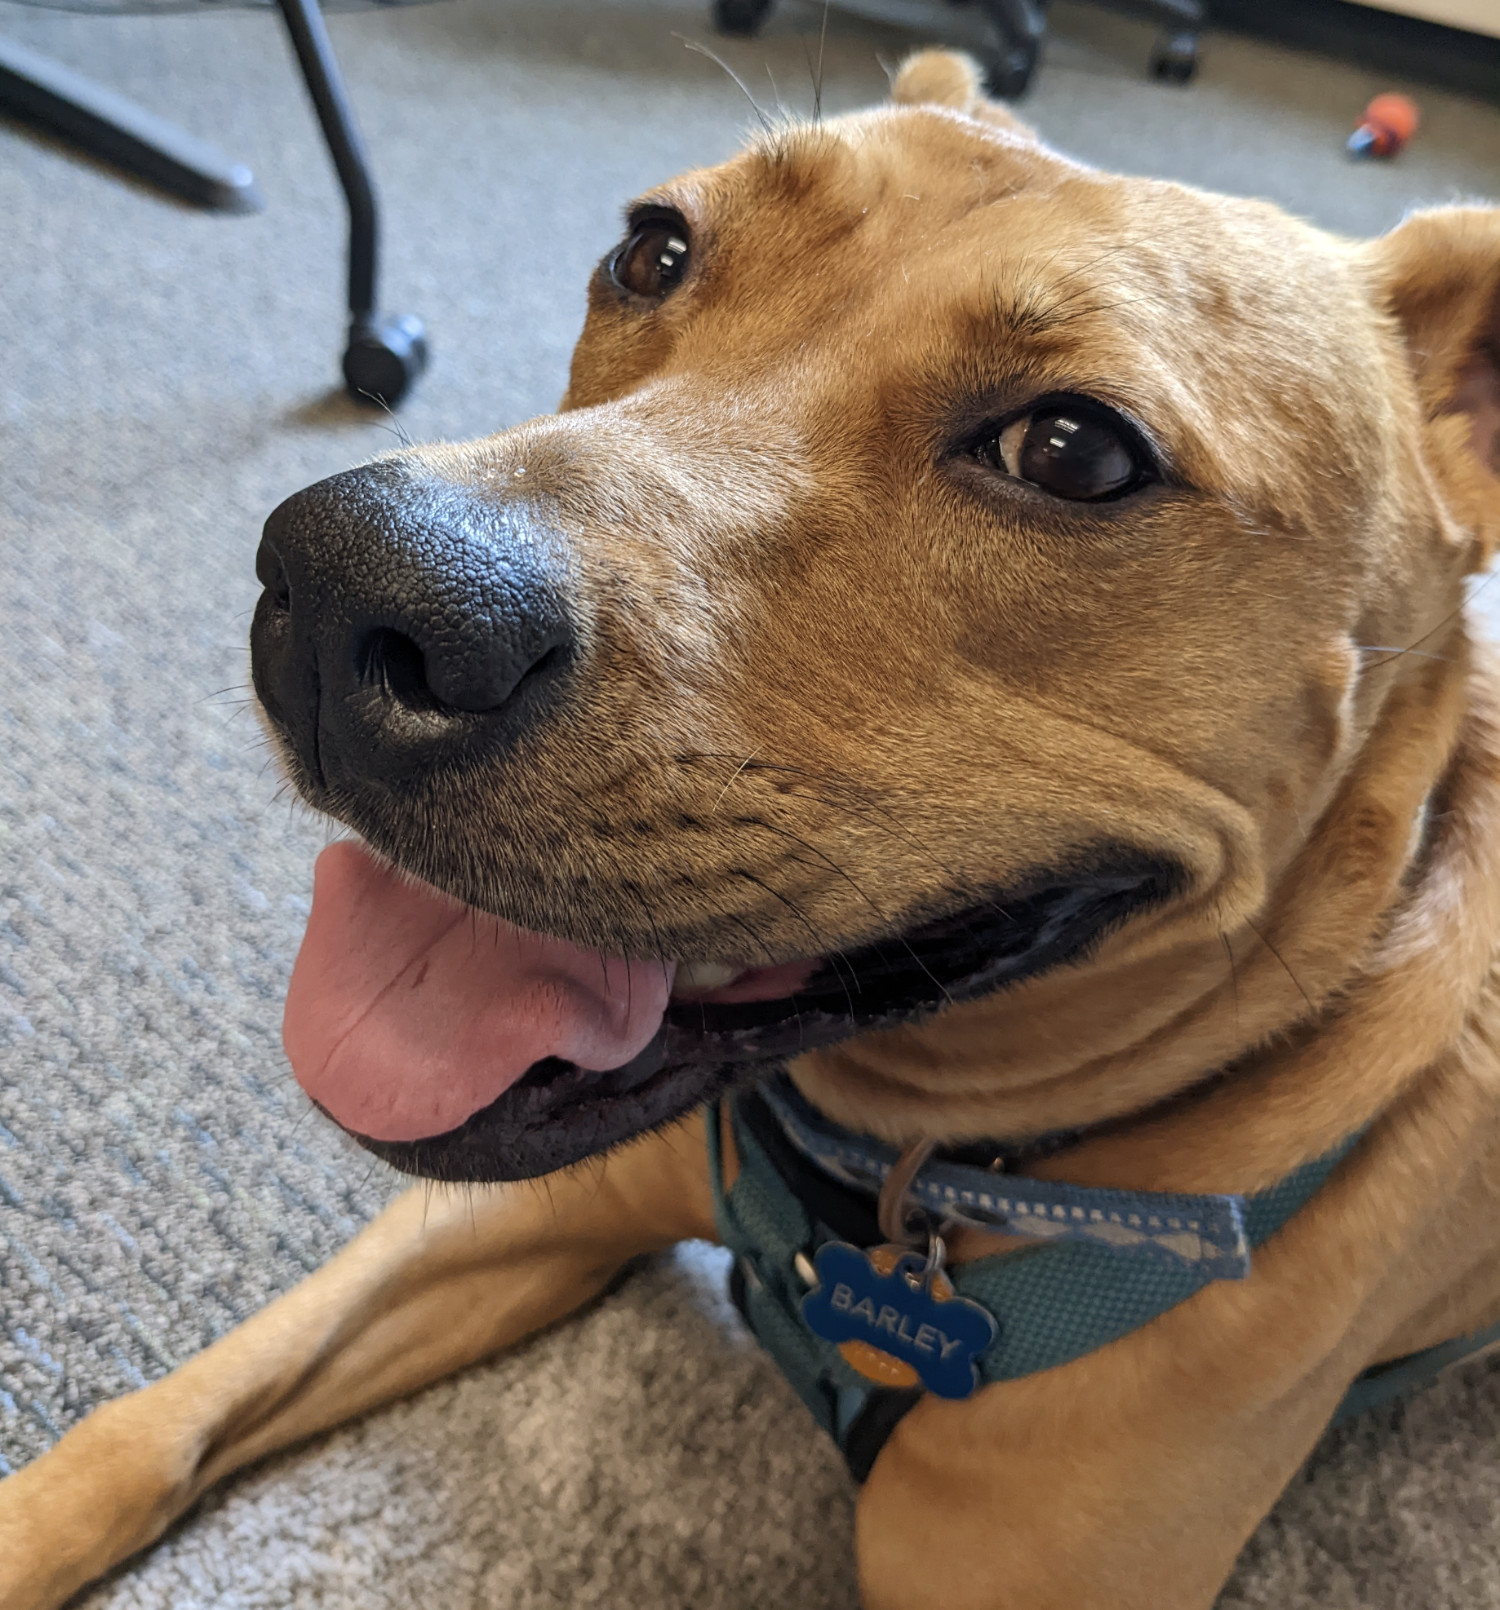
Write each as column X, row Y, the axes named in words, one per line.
column 410, row 633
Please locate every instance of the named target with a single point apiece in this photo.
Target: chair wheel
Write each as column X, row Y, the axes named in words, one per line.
column 1175, row 59
column 743, row 17
column 1008, row 76
column 383, row 359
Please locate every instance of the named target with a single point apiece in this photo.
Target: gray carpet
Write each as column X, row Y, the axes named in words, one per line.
column 163, row 383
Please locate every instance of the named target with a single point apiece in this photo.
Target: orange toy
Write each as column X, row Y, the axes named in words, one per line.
column 1389, row 121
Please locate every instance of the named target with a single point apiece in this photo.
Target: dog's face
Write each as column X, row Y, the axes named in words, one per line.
column 959, row 583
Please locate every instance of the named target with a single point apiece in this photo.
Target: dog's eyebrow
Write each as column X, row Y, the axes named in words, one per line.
column 1032, row 312
column 1039, row 303
column 1026, row 327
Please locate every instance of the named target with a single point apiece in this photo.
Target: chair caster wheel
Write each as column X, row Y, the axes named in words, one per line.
column 742, row 17
column 384, row 358
column 1175, row 59
column 1009, row 74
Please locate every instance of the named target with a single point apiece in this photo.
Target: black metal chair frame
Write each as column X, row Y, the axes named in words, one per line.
column 384, row 355
column 1019, row 28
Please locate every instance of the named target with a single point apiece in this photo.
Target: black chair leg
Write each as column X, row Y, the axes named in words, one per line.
column 1020, row 26
column 103, row 124
column 1176, row 55
column 384, row 355
column 1185, row 13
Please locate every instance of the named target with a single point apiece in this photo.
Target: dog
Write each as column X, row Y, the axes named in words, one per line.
column 962, row 743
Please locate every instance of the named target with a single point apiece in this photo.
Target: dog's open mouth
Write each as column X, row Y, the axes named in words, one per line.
column 458, row 1047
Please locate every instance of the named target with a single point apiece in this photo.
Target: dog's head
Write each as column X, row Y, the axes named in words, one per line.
column 959, row 593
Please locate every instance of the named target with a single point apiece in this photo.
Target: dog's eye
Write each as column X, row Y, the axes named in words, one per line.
column 654, row 259
column 1073, row 449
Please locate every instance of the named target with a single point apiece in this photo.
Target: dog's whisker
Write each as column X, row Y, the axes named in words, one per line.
column 766, row 952
column 738, row 772
column 819, row 939
column 854, row 973
column 837, row 959
column 1234, row 984
column 878, row 817
column 308, row 1110
column 781, row 110
column 1396, row 652
column 656, row 939
column 395, row 427
column 1282, row 962
column 1076, row 310
column 828, row 861
column 807, row 57
column 699, row 48
column 853, row 884
column 862, row 804
column 1447, row 620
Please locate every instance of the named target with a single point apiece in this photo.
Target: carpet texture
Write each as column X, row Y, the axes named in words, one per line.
column 163, row 383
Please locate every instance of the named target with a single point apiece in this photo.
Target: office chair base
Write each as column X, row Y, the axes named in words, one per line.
column 1175, row 58
column 384, row 358
column 384, row 355
column 1008, row 74
column 741, row 17
column 1018, row 27
column 103, row 124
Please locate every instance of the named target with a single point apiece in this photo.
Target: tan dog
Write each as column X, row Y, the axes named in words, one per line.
column 941, row 538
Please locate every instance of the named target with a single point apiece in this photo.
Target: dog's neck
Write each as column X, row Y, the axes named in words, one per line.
column 1235, row 1074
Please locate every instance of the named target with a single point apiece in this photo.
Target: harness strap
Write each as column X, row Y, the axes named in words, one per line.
column 1054, row 1301
column 1205, row 1234
column 1415, row 1372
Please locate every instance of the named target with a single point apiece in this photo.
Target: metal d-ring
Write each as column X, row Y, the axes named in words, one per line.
column 895, row 1214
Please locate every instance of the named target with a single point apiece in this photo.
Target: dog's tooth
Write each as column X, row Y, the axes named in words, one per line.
column 705, row 975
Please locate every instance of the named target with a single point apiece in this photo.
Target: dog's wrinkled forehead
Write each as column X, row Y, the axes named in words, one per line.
column 918, row 252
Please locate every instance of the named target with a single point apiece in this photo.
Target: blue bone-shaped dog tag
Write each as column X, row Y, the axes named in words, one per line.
column 939, row 1338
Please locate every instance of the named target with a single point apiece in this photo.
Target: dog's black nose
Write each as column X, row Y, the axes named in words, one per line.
column 406, row 624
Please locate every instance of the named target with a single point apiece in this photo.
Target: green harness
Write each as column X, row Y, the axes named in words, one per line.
column 1089, row 1279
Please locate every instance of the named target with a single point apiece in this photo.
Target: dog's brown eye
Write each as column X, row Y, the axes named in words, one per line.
column 654, row 259
column 1072, row 449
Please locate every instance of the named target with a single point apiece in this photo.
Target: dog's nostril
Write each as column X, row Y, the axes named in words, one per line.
column 394, row 663
column 397, row 666
column 554, row 659
column 271, row 574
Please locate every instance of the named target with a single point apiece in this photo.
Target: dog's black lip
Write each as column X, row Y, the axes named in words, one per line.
column 559, row 1114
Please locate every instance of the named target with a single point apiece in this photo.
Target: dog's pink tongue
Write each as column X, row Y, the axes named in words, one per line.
column 408, row 1012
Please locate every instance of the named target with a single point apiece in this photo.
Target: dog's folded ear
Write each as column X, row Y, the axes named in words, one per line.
column 1438, row 275
column 950, row 78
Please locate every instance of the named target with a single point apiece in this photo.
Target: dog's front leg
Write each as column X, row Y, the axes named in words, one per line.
column 433, row 1284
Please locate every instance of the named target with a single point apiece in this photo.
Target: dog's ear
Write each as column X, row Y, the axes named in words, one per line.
column 1438, row 275
column 950, row 78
